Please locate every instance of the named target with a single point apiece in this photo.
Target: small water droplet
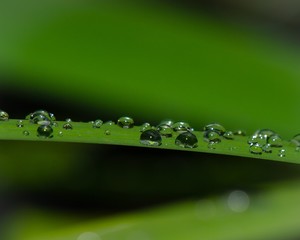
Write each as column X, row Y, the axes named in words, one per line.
column 55, row 124
column 181, row 127
column 68, row 126
column 3, row 115
column 45, row 131
column 125, row 122
column 297, row 149
column 60, row 133
column 151, row 137
column 239, row 133
column 275, row 140
column 211, row 145
column 281, row 153
column 20, row 124
column 228, row 135
column 107, row 132
column 256, row 148
column 68, row 120
column 145, row 126
column 109, row 123
column 97, row 123
column 186, row 140
column 25, row 133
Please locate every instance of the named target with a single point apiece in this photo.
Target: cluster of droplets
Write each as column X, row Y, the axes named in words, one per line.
column 266, row 141
column 45, row 122
column 263, row 141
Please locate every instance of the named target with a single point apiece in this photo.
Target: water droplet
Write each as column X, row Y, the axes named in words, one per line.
column 109, row 123
column 281, row 153
column 297, row 149
column 213, row 132
column 256, row 148
column 68, row 126
column 186, row 140
column 181, row 127
column 228, row 135
column 3, row 115
column 145, row 126
column 60, row 133
column 239, row 133
column 41, row 117
column 150, row 137
column 125, row 122
column 212, row 145
column 45, row 131
column 275, row 140
column 212, row 137
column 215, row 127
column 257, row 139
column 107, row 132
column 68, row 120
column 264, row 133
column 20, row 124
column 296, row 140
column 165, row 128
column 267, row 148
column 25, row 133
column 55, row 124
column 97, row 123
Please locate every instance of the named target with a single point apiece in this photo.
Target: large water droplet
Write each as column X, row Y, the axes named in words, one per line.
column 97, row 123
column 296, row 140
column 145, row 126
column 216, row 128
column 256, row 148
column 275, row 140
column 150, row 137
column 186, row 140
column 165, row 128
column 181, row 127
column 45, row 131
column 3, row 115
column 213, row 132
column 264, row 133
column 125, row 122
column 259, row 139
column 41, row 117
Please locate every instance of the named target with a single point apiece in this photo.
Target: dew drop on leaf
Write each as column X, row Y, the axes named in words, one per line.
column 20, row 124
column 228, row 135
column 25, row 133
column 181, row 127
column 41, row 117
column 45, row 131
column 165, row 128
column 275, row 140
column 145, row 126
column 296, row 140
column 3, row 115
column 256, row 148
column 213, row 132
column 107, row 132
column 150, row 137
column 186, row 140
column 68, row 126
column 125, row 122
column 97, row 123
column 281, row 153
